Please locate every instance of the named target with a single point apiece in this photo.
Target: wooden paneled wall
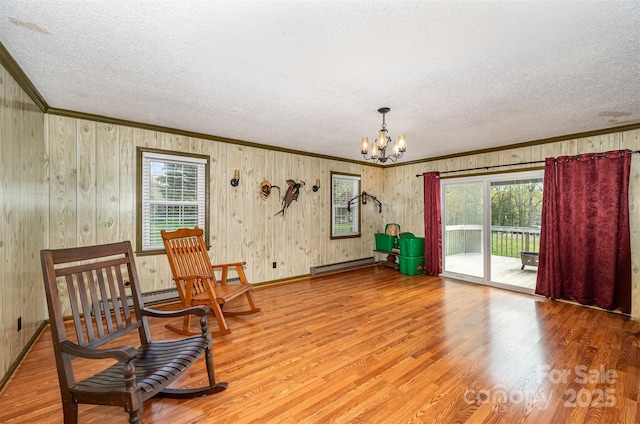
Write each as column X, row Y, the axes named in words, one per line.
column 403, row 191
column 92, row 197
column 23, row 219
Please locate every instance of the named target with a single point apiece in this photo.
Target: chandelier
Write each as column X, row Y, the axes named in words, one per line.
column 380, row 145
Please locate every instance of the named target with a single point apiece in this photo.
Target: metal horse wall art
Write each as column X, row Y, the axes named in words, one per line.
column 290, row 195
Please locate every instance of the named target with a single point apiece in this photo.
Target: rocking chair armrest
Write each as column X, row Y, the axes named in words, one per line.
column 193, row 310
column 119, row 353
column 194, row 277
column 229, row 264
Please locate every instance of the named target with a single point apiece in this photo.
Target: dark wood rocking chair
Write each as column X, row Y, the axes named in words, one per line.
column 194, row 276
column 97, row 280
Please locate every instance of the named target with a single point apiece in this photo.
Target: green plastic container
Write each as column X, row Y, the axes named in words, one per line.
column 385, row 242
column 411, row 265
column 412, row 246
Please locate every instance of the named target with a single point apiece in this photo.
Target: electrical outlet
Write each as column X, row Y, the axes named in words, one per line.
column 19, row 323
column 275, row 264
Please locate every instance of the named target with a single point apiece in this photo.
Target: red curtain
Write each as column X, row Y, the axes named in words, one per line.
column 585, row 245
column 432, row 224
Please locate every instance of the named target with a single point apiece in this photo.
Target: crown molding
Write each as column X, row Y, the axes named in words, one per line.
column 116, row 121
column 585, row 134
column 21, row 78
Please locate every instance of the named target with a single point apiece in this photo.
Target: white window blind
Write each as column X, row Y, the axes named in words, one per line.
column 173, row 195
column 345, row 222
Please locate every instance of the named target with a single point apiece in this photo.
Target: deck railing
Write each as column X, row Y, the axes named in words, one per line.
column 505, row 241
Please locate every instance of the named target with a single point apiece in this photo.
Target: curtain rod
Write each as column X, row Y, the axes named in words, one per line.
column 486, row 167
column 499, row 166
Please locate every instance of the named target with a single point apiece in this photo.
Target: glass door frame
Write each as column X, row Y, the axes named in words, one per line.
column 486, row 180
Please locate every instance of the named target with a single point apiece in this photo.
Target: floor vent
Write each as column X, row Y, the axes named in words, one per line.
column 341, row 266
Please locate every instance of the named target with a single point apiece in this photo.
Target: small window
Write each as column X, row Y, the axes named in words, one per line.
column 345, row 207
column 172, row 194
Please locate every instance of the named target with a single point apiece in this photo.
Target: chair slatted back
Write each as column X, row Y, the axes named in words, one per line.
column 97, row 281
column 188, row 256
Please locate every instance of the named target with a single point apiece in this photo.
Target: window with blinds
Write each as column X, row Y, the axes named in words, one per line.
column 172, row 195
column 345, row 219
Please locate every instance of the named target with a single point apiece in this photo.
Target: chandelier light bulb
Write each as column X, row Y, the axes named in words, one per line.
column 374, row 151
column 402, row 143
column 382, row 139
column 364, row 145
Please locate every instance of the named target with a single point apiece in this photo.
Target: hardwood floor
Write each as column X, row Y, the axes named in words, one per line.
column 375, row 346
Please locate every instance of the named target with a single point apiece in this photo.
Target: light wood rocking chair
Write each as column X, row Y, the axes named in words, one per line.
column 194, row 276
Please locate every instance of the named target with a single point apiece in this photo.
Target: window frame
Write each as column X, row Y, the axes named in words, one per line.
column 358, row 219
column 169, row 156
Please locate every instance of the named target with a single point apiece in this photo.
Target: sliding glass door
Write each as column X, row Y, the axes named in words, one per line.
column 491, row 228
column 463, row 228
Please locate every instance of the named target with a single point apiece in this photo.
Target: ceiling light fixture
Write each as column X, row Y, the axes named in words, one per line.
column 379, row 146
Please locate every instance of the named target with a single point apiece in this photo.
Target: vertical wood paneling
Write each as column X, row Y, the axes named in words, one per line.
column 235, row 205
column 417, row 203
column 127, row 182
column 212, row 150
column 87, row 219
column 107, row 183
column 486, row 159
column 281, row 172
column 256, row 262
column 588, row 144
column 220, row 191
column 610, row 142
column 145, row 138
column 295, row 217
column 247, row 209
column 23, row 216
column 536, row 154
column 269, row 208
column 313, row 221
column 63, row 193
column 165, row 141
column 9, row 148
column 33, row 297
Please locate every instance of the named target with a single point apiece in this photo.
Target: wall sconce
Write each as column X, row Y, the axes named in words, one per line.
column 316, row 187
column 236, row 178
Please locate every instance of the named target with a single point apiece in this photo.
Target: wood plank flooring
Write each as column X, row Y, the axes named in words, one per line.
column 375, row 346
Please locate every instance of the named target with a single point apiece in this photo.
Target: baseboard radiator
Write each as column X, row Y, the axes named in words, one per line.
column 162, row 296
column 168, row 295
column 159, row 296
column 341, row 266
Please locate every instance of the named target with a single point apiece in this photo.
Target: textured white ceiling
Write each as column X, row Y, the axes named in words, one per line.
column 310, row 76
